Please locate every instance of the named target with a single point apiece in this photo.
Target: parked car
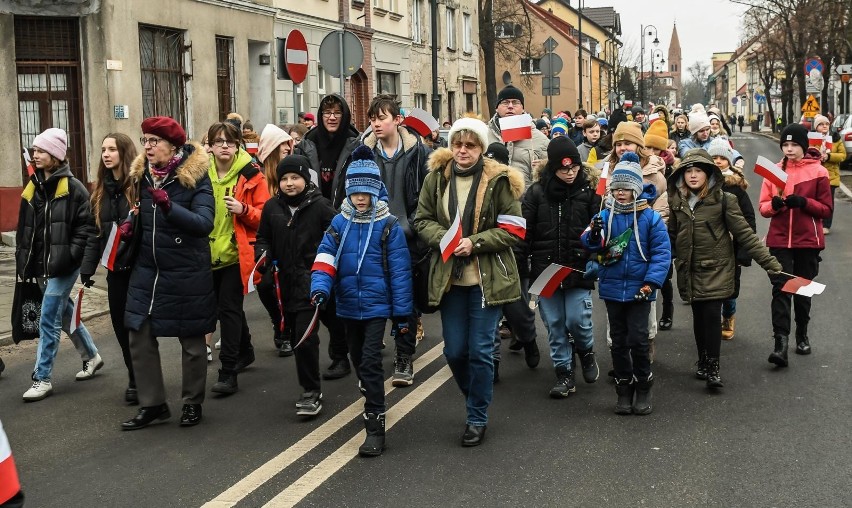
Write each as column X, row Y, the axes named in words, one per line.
column 837, row 124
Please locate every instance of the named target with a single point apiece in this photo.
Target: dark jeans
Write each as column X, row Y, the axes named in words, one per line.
column 364, row 339
column 667, row 294
column 307, row 355
column 406, row 343
column 118, row 284
column 801, row 262
column 826, row 223
column 628, row 328
column 707, row 327
column 520, row 316
column 234, row 330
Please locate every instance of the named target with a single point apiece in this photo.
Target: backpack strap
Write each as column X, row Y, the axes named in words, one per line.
column 391, row 222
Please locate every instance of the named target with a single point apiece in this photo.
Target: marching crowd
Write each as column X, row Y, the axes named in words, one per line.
column 352, row 230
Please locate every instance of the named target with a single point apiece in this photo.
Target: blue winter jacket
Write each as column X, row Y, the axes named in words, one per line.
column 375, row 292
column 621, row 280
column 689, row 143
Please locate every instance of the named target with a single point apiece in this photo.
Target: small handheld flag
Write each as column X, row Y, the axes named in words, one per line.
column 77, row 316
column 548, row 282
column 803, row 287
column 252, row 148
column 111, row 249
column 601, row 190
column 10, row 484
column 767, row 169
column 250, row 282
column 653, row 117
column 516, row 127
column 421, row 121
column 451, row 239
column 815, row 139
column 311, row 326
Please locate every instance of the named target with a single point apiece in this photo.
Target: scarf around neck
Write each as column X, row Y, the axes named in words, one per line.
column 617, row 208
column 378, row 211
column 169, row 167
column 467, row 225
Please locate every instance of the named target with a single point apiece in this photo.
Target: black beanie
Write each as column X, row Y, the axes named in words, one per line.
column 298, row 164
column 510, row 92
column 796, row 133
column 562, row 152
column 498, row 152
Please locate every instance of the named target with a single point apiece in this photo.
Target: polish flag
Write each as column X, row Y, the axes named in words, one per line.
column 77, row 316
column 9, row 482
column 628, row 104
column 653, row 117
column 252, row 148
column 324, row 262
column 516, row 127
column 513, row 224
column 421, row 121
column 250, row 287
column 111, row 249
column 803, row 287
column 828, row 143
column 601, row 190
column 452, row 238
column 548, row 282
column 815, row 139
column 769, row 170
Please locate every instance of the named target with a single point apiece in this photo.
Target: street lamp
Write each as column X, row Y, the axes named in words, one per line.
column 646, row 32
column 654, row 54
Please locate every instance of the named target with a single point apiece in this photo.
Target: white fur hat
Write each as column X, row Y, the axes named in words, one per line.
column 476, row 126
column 698, row 118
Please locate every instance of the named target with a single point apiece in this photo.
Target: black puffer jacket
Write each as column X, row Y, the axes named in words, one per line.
column 114, row 210
column 171, row 280
column 554, row 226
column 291, row 240
column 53, row 225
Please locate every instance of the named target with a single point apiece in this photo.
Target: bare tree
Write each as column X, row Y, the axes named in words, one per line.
column 505, row 30
column 694, row 91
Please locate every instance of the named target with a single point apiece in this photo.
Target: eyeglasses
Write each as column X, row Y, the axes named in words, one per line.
column 223, row 143
column 512, row 102
column 458, row 145
column 149, row 141
column 335, row 114
column 568, row 170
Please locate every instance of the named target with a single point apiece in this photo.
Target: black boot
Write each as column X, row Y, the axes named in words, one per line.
column 277, row 337
column 227, row 383
column 624, row 388
column 701, row 366
column 590, row 365
column 713, row 378
column 286, row 349
column 642, row 404
column 375, row 442
column 564, row 383
column 531, row 354
column 803, row 346
column 779, row 355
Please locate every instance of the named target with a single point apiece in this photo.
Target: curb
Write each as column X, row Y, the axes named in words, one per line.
column 846, row 190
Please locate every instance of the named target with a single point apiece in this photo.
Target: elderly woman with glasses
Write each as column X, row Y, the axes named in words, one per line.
column 171, row 286
column 475, row 199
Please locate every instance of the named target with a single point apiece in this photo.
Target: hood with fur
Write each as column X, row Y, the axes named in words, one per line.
column 441, row 160
column 193, row 168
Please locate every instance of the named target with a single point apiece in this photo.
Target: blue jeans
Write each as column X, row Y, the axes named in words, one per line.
column 568, row 310
column 729, row 307
column 57, row 309
column 468, row 329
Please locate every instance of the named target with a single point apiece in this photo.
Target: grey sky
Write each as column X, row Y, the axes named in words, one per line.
column 704, row 27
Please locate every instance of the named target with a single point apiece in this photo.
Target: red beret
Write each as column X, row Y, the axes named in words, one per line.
column 166, row 128
column 310, row 116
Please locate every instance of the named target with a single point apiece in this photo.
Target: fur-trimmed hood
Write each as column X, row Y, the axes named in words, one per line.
column 194, row 167
column 409, row 140
column 441, row 160
column 736, row 178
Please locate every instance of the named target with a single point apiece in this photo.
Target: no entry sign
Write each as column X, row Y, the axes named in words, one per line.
column 296, row 56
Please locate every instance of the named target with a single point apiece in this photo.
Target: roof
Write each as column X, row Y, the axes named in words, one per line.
column 561, row 27
column 675, row 42
column 586, row 18
column 742, row 89
column 606, row 17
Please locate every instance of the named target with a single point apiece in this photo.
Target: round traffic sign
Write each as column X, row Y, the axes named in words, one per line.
column 813, row 63
column 550, row 64
column 296, row 56
column 337, row 62
column 734, row 100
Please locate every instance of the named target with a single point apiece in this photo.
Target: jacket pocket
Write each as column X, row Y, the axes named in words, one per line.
column 712, row 233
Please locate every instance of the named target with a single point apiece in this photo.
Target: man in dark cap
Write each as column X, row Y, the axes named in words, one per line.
column 510, row 101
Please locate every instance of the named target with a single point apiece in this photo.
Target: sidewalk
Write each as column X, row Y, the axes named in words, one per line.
column 94, row 302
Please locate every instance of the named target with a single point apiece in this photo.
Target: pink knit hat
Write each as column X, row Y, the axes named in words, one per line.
column 53, row 141
column 270, row 139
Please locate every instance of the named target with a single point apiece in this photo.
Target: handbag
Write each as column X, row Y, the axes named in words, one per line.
column 128, row 248
column 420, row 274
column 26, row 310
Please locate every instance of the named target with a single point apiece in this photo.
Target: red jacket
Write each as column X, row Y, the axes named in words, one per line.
column 799, row 228
column 251, row 191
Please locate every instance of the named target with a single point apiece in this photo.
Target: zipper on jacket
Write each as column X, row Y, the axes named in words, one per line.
column 47, row 205
column 154, row 251
column 32, row 239
column 790, row 231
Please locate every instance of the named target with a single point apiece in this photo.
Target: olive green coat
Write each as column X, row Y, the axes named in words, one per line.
column 499, row 191
column 703, row 239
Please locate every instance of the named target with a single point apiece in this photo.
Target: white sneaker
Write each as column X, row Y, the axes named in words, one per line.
column 209, row 354
column 218, row 344
column 90, row 367
column 39, row 390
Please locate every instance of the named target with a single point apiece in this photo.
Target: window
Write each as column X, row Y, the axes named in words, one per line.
column 377, row 4
column 387, row 83
column 392, row 5
column 161, row 62
column 468, row 103
column 420, row 101
column 225, row 75
column 530, row 65
column 322, row 80
column 508, row 30
column 300, row 97
column 451, row 28
column 416, row 21
column 467, row 41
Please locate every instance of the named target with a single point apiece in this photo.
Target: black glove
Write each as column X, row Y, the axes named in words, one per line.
column 86, row 279
column 777, row 203
column 596, row 228
column 645, row 293
column 795, row 201
column 318, row 298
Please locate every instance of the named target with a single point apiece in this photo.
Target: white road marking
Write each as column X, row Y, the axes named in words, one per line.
column 299, row 489
column 267, row 471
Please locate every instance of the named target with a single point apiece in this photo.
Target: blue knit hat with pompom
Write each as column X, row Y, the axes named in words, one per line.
column 363, row 173
column 627, row 174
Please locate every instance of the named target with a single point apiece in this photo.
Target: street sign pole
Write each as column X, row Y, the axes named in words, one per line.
column 342, row 74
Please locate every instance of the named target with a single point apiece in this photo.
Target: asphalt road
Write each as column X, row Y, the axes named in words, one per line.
column 769, row 438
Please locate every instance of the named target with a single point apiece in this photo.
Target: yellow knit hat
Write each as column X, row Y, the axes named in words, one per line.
column 628, row 131
column 657, row 136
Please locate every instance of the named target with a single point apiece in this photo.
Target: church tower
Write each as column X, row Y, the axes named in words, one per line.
column 675, row 62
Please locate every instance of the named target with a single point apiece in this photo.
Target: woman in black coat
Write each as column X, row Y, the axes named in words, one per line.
column 171, row 286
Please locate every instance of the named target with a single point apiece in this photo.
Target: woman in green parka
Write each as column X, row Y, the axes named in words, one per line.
column 704, row 222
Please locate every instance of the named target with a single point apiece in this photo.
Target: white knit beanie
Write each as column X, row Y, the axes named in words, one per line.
column 475, row 126
column 698, row 118
column 270, row 139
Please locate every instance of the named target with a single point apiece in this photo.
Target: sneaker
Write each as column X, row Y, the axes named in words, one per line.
column 90, row 367
column 589, row 365
column 505, row 331
column 310, row 404
column 337, row 369
column 826, row 231
column 564, row 384
column 218, row 344
column 403, row 371
column 39, row 390
column 209, row 354
column 286, row 349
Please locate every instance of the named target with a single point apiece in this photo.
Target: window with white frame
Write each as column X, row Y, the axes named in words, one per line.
column 451, row 28
column 321, row 77
column 416, row 21
column 420, row 100
column 377, row 4
column 393, row 5
column 508, row 30
column 530, row 65
column 467, row 33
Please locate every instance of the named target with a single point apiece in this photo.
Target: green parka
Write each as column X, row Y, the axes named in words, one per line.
column 703, row 235
column 499, row 191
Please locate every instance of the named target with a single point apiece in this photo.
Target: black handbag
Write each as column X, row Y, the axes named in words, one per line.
column 420, row 273
column 26, row 310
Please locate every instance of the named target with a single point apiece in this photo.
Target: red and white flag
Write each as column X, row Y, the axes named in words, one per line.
column 828, row 144
column 803, row 287
column 252, row 148
column 628, row 104
column 653, row 117
column 77, row 316
column 516, row 127
column 815, row 139
column 10, row 485
column 513, row 224
column 421, row 121
column 250, row 282
column 111, row 249
column 452, row 238
column 548, row 282
column 769, row 170
column 324, row 262
column 601, row 190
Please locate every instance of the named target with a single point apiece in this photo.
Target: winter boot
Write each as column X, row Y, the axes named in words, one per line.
column 701, row 366
column 713, row 378
column 728, row 327
column 642, row 405
column 624, row 388
column 803, row 346
column 590, row 366
column 779, row 355
column 667, row 320
column 227, row 383
column 564, row 383
column 277, row 337
column 375, row 442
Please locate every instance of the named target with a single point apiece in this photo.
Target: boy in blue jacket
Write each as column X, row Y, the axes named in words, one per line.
column 634, row 253
column 364, row 258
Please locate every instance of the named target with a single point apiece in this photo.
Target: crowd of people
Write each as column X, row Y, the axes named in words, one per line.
column 332, row 226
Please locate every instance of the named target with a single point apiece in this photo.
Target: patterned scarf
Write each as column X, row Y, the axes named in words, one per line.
column 169, row 167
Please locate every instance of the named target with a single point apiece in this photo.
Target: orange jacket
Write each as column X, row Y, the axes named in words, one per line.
column 252, row 192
